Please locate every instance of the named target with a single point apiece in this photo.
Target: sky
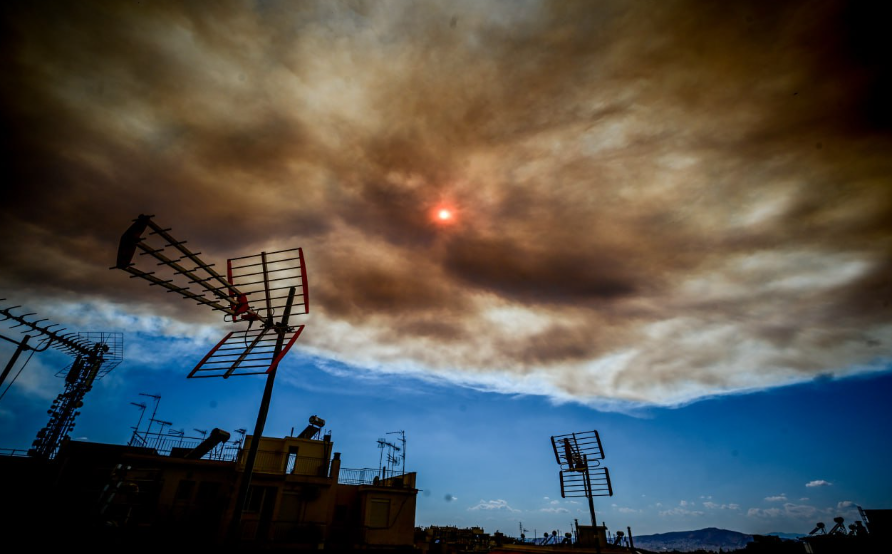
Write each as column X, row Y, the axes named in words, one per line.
column 668, row 221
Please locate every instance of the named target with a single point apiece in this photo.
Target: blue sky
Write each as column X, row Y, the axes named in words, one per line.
column 668, row 221
column 777, row 460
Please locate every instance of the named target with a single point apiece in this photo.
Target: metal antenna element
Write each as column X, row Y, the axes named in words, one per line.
column 95, row 354
column 142, row 411
column 579, row 456
column 261, row 289
column 69, row 343
column 385, row 465
column 157, row 398
column 255, row 290
column 402, row 435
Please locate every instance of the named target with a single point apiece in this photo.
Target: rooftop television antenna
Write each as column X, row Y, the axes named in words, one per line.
column 579, row 456
column 257, row 289
column 95, row 354
column 402, row 435
column 157, row 398
column 384, row 465
column 142, row 412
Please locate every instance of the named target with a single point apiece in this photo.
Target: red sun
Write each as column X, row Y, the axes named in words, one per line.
column 443, row 215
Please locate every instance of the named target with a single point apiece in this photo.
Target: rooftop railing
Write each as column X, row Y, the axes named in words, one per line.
column 372, row 476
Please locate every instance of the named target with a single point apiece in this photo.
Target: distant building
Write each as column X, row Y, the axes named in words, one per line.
column 128, row 496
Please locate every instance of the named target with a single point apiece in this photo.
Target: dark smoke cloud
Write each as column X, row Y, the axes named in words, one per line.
column 653, row 201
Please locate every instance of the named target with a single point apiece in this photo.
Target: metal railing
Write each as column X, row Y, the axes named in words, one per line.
column 164, row 444
column 372, row 476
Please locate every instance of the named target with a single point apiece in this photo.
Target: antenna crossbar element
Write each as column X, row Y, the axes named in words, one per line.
column 111, row 358
column 574, row 450
column 594, row 482
column 249, row 352
column 266, row 279
column 223, row 296
column 69, row 343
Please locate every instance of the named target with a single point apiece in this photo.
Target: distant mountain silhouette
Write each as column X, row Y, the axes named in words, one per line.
column 710, row 538
column 788, row 536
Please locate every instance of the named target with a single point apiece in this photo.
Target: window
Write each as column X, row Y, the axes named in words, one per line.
column 379, row 513
column 292, row 459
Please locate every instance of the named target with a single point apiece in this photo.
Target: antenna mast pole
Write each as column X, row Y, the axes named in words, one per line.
column 588, row 492
column 261, row 422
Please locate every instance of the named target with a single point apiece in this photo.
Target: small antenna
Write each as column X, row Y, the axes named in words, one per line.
column 142, row 412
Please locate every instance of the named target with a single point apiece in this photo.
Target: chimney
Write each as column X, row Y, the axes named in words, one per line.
column 335, row 468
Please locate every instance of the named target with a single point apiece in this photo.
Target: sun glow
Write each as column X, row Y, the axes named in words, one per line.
column 444, row 215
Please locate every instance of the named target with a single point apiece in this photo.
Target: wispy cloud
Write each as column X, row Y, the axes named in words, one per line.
column 499, row 504
column 796, row 511
column 681, row 510
column 715, row 506
column 778, row 498
column 818, row 483
column 678, row 511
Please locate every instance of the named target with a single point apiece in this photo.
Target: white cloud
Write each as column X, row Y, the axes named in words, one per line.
column 681, row 512
column 798, row 511
column 715, row 506
column 552, row 510
column 844, row 504
column 818, row 483
column 498, row 504
column 778, row 498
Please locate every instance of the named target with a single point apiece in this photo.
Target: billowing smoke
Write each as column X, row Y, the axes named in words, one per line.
column 651, row 201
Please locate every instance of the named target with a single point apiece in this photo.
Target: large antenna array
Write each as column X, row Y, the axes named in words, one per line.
column 256, row 289
column 266, row 289
column 579, row 456
column 95, row 354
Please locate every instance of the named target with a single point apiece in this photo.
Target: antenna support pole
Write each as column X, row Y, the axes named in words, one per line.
column 23, row 345
column 588, row 493
column 258, row 427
